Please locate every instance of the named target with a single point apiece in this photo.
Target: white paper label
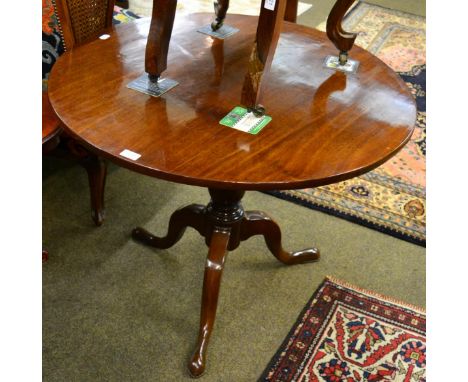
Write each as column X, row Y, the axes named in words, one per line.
column 130, row 154
column 270, row 4
column 247, row 122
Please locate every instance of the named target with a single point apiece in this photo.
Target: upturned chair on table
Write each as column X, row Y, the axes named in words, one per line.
column 272, row 14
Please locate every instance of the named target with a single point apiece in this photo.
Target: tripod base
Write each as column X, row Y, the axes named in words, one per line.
column 224, row 224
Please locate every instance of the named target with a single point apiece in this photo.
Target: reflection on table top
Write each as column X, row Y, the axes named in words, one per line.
column 326, row 126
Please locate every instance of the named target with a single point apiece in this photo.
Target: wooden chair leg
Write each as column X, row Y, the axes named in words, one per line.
column 96, row 168
column 343, row 40
column 291, row 11
column 221, row 8
column 268, row 31
column 162, row 21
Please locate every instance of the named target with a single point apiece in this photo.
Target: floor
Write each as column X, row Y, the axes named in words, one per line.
column 312, row 12
column 114, row 310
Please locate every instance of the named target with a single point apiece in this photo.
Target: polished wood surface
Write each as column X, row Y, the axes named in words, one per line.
column 224, row 224
column 326, row 126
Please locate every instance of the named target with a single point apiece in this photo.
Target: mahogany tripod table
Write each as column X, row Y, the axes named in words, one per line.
column 326, row 127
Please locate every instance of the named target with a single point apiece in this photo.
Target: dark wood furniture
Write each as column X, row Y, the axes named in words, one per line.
column 80, row 21
column 343, row 40
column 270, row 22
column 51, row 126
column 326, row 127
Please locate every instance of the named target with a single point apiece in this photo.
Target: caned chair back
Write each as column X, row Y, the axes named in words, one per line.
column 83, row 20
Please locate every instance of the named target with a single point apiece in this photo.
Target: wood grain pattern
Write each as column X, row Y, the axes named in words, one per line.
column 317, row 136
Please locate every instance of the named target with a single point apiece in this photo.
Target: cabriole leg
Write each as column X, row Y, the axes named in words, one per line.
column 259, row 223
column 189, row 216
column 213, row 271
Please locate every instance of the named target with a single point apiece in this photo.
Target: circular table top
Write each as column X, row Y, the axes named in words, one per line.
column 326, row 126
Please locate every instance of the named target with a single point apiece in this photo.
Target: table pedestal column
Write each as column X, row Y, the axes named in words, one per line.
column 224, row 224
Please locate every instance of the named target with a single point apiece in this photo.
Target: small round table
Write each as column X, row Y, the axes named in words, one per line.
column 326, row 127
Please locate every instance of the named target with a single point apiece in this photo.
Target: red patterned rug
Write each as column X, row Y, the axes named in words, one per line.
column 346, row 334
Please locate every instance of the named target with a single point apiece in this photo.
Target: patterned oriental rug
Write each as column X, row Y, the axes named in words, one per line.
column 392, row 198
column 345, row 334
